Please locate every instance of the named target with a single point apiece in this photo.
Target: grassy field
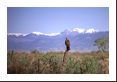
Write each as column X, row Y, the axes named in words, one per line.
column 52, row 63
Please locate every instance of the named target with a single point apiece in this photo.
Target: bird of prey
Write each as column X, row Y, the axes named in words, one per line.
column 67, row 43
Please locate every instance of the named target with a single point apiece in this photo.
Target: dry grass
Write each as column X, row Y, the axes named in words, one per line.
column 51, row 63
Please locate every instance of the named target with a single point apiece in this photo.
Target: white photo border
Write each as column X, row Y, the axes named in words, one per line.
column 58, row 77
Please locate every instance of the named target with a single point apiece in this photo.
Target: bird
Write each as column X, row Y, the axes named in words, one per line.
column 67, row 43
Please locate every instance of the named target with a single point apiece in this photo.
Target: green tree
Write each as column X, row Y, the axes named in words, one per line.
column 102, row 43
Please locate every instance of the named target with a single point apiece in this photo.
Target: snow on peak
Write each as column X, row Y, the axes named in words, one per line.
column 91, row 30
column 79, row 30
column 37, row 33
column 52, row 34
column 17, row 34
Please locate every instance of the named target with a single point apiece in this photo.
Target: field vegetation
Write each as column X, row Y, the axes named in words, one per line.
column 36, row 62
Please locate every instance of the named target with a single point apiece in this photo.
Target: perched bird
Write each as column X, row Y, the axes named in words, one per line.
column 67, row 43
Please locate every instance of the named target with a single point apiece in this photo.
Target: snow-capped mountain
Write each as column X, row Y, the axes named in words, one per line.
column 50, row 34
column 66, row 31
column 17, row 34
column 91, row 30
column 79, row 30
column 33, row 33
column 37, row 33
column 81, row 40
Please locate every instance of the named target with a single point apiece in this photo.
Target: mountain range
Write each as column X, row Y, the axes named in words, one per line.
column 81, row 40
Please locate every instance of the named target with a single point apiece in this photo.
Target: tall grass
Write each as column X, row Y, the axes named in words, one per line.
column 52, row 63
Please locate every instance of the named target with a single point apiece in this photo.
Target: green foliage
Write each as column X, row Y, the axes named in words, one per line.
column 90, row 65
column 70, row 65
column 102, row 43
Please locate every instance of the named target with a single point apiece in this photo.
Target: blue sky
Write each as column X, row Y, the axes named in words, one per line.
column 56, row 19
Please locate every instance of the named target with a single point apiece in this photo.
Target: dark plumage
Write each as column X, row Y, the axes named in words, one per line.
column 67, row 43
